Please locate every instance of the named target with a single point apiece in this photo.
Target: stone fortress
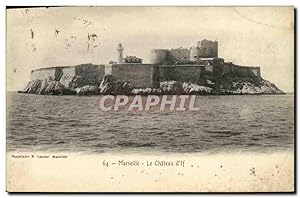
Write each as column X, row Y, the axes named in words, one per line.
column 191, row 65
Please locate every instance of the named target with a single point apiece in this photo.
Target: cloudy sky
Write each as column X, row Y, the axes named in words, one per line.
column 251, row 36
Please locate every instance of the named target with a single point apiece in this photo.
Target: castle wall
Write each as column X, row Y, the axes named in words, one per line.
column 90, row 73
column 51, row 73
column 255, row 71
column 179, row 54
column 144, row 75
column 140, row 75
column 108, row 69
column 246, row 71
column 43, row 74
column 183, row 73
column 69, row 71
column 243, row 71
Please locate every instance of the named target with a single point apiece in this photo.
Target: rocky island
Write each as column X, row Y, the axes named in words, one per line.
column 197, row 70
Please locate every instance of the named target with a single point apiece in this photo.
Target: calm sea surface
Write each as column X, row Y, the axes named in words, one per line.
column 75, row 124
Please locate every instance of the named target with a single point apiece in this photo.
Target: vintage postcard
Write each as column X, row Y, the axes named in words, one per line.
column 150, row 99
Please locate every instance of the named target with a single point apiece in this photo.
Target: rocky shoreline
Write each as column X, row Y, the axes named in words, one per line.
column 75, row 85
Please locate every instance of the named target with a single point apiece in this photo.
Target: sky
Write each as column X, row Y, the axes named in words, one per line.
column 61, row 36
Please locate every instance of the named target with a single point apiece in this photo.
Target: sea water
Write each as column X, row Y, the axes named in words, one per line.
column 260, row 123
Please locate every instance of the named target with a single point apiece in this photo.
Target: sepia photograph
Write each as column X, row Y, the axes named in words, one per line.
column 150, row 99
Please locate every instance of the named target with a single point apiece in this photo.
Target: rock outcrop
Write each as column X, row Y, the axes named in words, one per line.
column 248, row 88
column 76, row 85
column 47, row 87
column 109, row 85
column 256, row 86
column 87, row 90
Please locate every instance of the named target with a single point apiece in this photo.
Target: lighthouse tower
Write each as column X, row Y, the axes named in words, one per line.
column 120, row 53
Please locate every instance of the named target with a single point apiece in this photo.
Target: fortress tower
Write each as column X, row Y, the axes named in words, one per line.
column 204, row 49
column 120, row 53
column 208, row 49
